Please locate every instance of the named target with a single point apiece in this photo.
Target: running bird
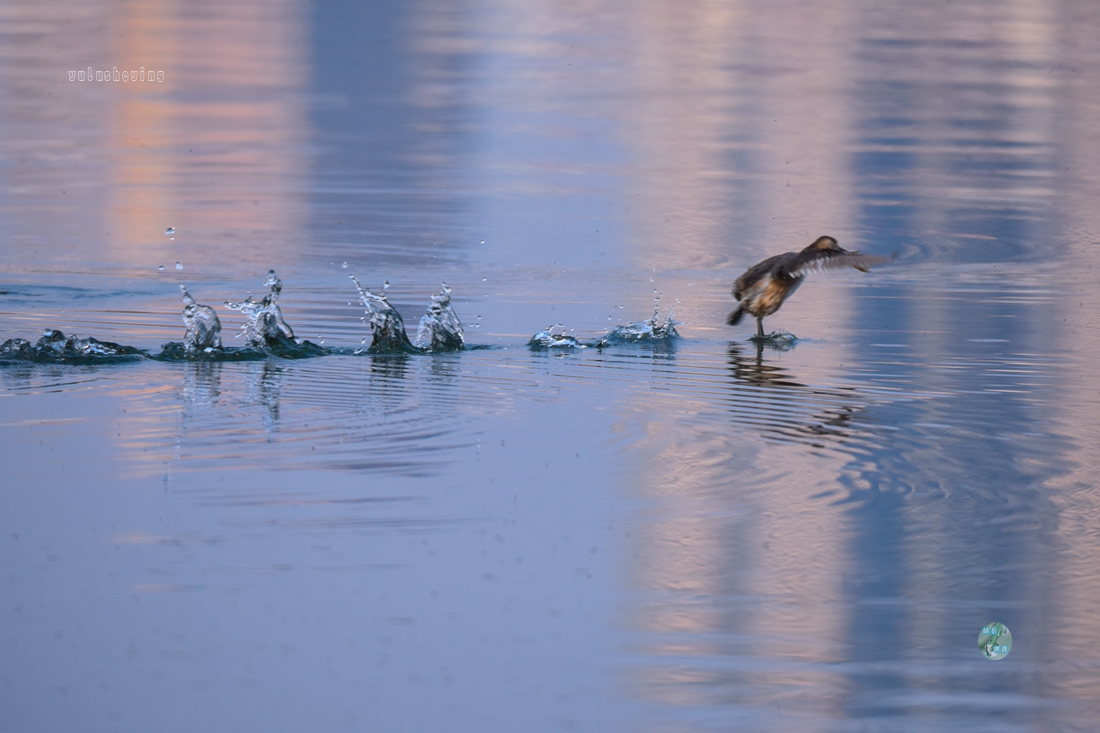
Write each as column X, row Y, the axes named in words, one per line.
column 764, row 286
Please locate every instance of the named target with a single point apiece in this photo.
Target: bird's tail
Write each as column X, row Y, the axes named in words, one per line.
column 735, row 317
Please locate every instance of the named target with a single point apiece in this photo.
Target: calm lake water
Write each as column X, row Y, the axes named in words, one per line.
column 688, row 537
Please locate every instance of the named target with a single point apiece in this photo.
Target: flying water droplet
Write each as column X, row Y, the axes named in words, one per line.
column 160, row 269
column 178, row 265
column 344, row 266
column 386, row 285
column 170, row 231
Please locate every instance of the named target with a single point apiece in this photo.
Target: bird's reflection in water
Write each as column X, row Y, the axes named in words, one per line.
column 765, row 397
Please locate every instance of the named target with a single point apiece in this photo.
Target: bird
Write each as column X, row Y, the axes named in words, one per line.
column 764, row 286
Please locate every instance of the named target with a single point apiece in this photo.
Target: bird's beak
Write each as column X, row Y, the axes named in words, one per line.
column 863, row 269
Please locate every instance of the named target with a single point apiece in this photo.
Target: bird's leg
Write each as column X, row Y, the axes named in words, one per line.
column 759, row 328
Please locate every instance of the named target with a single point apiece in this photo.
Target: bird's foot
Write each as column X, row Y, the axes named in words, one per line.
column 776, row 340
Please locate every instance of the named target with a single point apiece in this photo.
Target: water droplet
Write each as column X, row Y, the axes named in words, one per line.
column 161, row 268
column 483, row 241
column 344, row 266
column 170, row 231
column 178, row 265
column 386, row 285
column 651, row 279
column 484, row 279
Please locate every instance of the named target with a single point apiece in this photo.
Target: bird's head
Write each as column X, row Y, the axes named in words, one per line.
column 825, row 243
column 828, row 244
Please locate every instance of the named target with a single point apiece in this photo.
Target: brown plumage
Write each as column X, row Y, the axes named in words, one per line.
column 764, row 286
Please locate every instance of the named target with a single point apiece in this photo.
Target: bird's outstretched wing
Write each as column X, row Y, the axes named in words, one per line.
column 824, row 259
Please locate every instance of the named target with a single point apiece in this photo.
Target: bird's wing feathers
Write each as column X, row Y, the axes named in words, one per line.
column 822, row 260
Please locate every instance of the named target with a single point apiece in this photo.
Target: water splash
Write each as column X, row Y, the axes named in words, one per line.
column 440, row 329
column 204, row 330
column 386, row 325
column 56, row 348
column 547, row 339
column 650, row 330
column 264, row 324
column 653, row 330
column 776, row 340
column 266, row 333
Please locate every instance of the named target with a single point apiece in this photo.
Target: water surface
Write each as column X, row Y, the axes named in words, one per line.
column 694, row 535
